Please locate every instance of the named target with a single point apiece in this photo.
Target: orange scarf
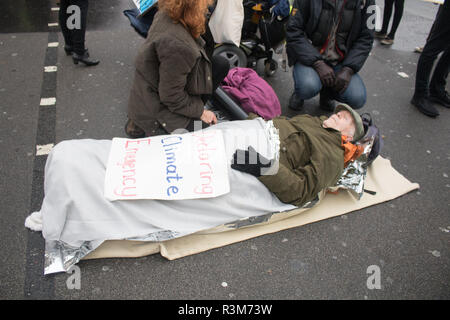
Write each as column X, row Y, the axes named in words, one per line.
column 351, row 151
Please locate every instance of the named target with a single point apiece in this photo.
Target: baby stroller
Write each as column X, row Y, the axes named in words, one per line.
column 263, row 32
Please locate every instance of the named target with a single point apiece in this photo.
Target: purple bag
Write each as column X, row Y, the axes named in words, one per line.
column 252, row 92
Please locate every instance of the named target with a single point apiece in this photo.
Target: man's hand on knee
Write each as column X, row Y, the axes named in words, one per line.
column 325, row 72
column 343, row 78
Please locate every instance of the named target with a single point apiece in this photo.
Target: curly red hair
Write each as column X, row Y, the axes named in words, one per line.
column 190, row 13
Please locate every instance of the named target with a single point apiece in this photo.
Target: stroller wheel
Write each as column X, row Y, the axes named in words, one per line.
column 235, row 56
column 270, row 67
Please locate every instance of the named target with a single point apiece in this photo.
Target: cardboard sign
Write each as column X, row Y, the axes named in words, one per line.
column 144, row 5
column 170, row 167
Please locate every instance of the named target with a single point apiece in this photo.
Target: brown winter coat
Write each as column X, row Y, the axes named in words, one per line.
column 172, row 73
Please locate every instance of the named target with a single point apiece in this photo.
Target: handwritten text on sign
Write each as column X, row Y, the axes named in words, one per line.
column 169, row 167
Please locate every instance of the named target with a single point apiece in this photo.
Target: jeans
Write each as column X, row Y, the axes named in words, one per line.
column 438, row 41
column 308, row 85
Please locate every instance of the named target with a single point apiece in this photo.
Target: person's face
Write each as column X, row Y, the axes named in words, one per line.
column 341, row 121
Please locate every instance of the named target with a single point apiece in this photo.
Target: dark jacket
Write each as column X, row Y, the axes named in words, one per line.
column 172, row 73
column 311, row 159
column 304, row 20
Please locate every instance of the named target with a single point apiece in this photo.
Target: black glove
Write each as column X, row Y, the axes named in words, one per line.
column 244, row 160
column 343, row 78
column 325, row 72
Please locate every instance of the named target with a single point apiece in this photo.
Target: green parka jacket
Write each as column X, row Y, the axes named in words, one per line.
column 311, row 159
column 172, row 73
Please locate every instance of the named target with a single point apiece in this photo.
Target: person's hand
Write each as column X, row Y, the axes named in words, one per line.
column 208, row 117
column 326, row 73
column 250, row 161
column 343, row 78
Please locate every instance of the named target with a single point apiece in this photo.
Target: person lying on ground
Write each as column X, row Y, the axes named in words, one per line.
column 297, row 158
column 313, row 153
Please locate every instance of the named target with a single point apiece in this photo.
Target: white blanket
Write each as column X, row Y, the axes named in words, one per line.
column 75, row 210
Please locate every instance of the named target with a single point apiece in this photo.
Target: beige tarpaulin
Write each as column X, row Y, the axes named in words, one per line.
column 381, row 178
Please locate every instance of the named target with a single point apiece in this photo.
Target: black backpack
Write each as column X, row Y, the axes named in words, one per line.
column 371, row 131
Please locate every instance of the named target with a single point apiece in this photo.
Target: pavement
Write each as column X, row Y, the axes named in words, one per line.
column 407, row 239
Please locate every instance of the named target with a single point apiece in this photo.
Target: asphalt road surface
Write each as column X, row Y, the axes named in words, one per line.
column 406, row 238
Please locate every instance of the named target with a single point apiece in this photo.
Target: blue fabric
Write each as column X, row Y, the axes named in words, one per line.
column 308, row 85
column 281, row 9
column 141, row 24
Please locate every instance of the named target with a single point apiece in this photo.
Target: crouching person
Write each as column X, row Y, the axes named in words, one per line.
column 328, row 42
column 175, row 71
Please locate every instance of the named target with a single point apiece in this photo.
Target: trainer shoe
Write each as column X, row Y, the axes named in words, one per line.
column 387, row 41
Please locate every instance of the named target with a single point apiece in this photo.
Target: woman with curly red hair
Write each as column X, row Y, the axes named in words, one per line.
column 174, row 75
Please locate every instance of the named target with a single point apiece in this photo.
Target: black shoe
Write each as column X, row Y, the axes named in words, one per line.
column 425, row 106
column 68, row 50
column 441, row 97
column 295, row 103
column 326, row 102
column 84, row 58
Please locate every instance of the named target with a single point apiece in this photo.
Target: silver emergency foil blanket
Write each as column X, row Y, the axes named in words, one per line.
column 77, row 218
column 354, row 175
column 60, row 257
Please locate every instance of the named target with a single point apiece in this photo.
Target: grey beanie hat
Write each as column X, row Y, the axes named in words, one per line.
column 359, row 128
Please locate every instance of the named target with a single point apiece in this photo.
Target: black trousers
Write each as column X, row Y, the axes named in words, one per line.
column 398, row 14
column 73, row 23
column 438, row 41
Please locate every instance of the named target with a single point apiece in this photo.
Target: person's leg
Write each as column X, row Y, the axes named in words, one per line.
column 307, row 85
column 438, row 82
column 79, row 32
column 398, row 14
column 62, row 17
column 355, row 95
column 80, row 53
column 420, row 49
column 438, row 41
column 387, row 13
column 306, row 81
column 435, row 18
column 439, row 79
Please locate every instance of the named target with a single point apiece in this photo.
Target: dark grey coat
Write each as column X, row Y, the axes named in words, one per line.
column 304, row 20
